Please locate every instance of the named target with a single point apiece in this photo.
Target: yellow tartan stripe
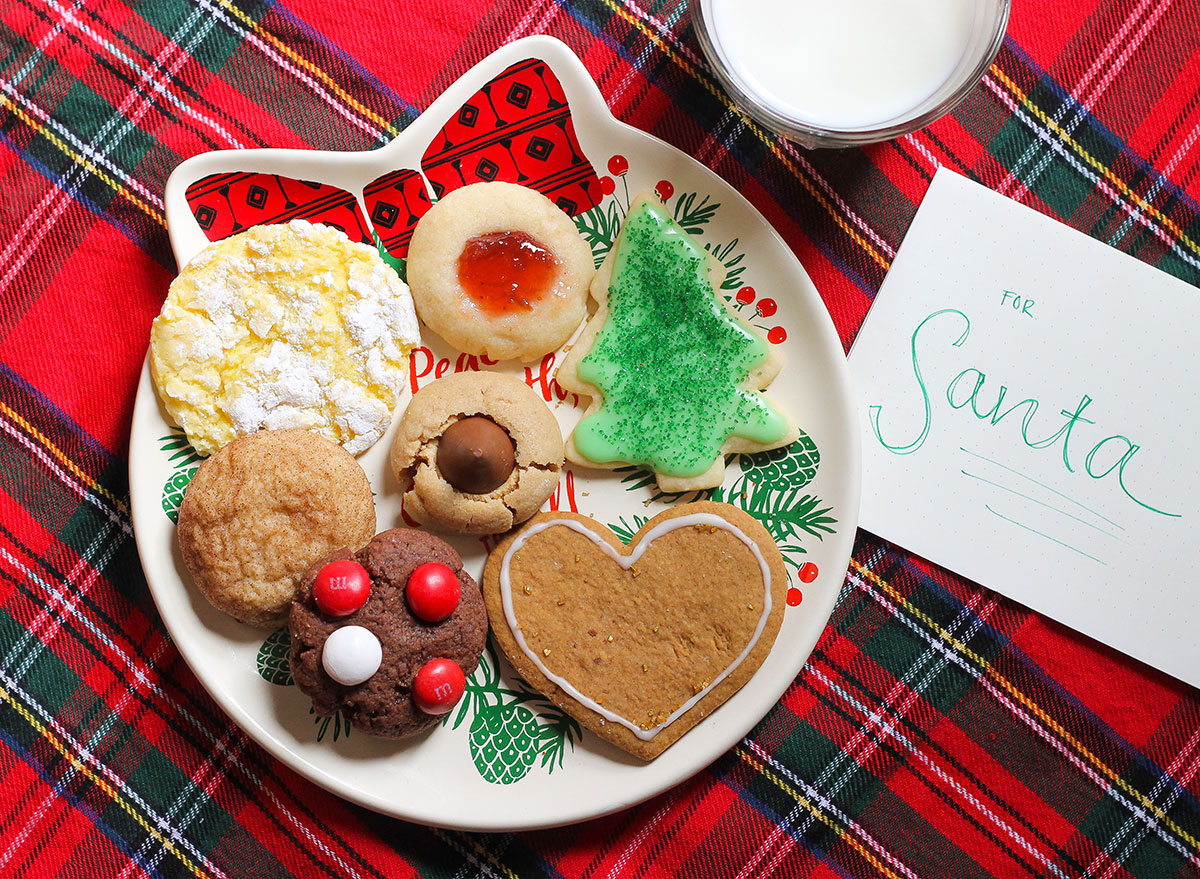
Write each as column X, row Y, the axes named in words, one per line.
column 486, row 854
column 311, row 68
column 1096, row 164
column 1028, row 703
column 78, row 159
column 90, row 483
column 123, row 189
column 100, row 782
column 768, row 140
column 818, row 813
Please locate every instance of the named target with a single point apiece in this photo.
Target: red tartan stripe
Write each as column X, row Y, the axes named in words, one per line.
column 831, row 250
column 1088, row 740
column 109, row 641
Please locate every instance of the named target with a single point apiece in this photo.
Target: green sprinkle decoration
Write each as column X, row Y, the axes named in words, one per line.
column 670, row 360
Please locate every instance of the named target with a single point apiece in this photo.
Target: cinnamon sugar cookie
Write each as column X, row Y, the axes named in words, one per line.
column 262, row 509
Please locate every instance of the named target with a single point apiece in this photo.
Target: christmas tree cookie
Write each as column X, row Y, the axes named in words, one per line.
column 673, row 372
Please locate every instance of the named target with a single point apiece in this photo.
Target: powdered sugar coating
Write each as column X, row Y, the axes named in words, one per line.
column 280, row 326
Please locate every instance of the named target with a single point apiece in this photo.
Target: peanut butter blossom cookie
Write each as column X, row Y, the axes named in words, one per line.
column 280, row 326
column 476, row 453
column 672, row 370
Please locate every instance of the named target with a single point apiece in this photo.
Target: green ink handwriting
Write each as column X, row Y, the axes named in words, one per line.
column 1018, row 303
column 966, row 388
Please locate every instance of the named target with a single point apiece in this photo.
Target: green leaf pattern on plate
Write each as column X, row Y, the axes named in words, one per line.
column 186, row 461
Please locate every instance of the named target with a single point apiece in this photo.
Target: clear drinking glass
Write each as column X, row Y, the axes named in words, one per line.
column 987, row 33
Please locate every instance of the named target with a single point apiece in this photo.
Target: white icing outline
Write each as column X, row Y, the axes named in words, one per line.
column 626, row 562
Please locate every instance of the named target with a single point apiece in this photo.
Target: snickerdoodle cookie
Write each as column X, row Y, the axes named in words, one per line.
column 261, row 510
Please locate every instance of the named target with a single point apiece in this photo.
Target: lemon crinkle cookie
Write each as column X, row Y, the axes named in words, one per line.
column 280, row 326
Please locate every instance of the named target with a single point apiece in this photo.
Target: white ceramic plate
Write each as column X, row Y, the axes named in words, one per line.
column 510, row 761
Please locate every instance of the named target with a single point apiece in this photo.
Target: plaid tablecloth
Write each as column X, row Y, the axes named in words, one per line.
column 937, row 730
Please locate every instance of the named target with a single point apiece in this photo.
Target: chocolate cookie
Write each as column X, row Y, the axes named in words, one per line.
column 385, row 704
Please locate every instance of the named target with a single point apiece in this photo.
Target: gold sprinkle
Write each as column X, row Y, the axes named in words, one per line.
column 610, row 637
column 633, row 570
column 656, row 628
column 528, row 590
column 644, row 667
column 546, row 652
column 749, row 607
column 560, row 602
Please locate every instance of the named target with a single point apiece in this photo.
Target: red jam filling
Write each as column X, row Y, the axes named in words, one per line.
column 506, row 272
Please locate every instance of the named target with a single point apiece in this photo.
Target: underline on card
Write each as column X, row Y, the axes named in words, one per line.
column 1047, row 536
column 1044, row 504
column 1065, row 497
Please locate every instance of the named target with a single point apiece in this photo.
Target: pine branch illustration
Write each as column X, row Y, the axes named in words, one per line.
column 691, row 216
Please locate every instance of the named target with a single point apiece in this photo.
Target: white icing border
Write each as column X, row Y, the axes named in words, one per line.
column 626, row 562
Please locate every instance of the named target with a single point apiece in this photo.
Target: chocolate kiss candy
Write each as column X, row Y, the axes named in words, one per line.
column 475, row 455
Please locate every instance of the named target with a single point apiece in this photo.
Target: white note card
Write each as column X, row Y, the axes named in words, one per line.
column 1028, row 399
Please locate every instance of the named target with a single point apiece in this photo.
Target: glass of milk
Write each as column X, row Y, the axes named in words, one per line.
column 839, row 73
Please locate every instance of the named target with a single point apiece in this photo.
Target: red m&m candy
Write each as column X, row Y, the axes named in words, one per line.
column 438, row 686
column 341, row 588
column 432, row 591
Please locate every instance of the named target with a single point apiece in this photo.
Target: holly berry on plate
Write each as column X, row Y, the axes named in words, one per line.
column 433, row 591
column 341, row 588
column 438, row 686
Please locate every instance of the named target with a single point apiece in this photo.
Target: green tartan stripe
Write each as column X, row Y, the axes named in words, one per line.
column 1033, row 752
column 1068, row 171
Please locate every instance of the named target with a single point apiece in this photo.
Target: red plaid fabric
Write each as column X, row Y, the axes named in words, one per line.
column 937, row 730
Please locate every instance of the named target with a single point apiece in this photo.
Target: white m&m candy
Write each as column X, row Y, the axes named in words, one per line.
column 351, row 655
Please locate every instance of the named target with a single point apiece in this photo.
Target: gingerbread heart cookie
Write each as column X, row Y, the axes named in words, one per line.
column 639, row 642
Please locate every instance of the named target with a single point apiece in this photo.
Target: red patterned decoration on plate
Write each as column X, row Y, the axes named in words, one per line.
column 224, row 204
column 394, row 203
column 516, row 129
